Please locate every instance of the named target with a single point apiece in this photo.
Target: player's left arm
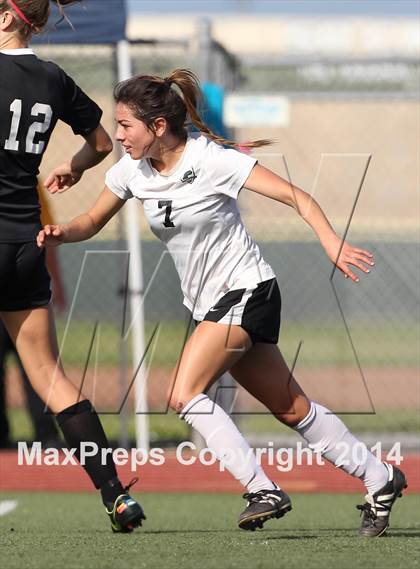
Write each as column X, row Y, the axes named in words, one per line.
column 85, row 225
column 97, row 146
column 265, row 182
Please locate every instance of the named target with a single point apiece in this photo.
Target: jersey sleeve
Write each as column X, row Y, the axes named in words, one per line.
column 227, row 169
column 117, row 178
column 79, row 111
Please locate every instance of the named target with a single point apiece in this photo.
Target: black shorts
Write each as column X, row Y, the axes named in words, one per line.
column 256, row 309
column 24, row 279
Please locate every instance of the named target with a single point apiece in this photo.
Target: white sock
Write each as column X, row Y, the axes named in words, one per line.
column 228, row 444
column 327, row 434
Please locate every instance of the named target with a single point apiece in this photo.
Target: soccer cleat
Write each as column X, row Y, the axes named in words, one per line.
column 377, row 509
column 262, row 506
column 125, row 514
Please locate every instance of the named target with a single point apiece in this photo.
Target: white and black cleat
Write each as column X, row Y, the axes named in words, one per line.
column 377, row 509
column 262, row 506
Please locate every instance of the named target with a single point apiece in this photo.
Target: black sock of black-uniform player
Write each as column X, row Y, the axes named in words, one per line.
column 80, row 423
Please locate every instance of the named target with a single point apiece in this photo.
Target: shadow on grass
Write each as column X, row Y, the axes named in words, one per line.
column 187, row 531
column 289, row 537
column 347, row 532
column 403, row 533
column 233, row 533
column 393, row 532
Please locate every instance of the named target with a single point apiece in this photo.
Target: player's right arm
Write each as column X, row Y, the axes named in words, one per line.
column 85, row 225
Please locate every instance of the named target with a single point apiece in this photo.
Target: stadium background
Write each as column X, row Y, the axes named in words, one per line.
column 350, row 113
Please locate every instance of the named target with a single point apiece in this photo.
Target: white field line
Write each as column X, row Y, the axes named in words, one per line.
column 7, row 506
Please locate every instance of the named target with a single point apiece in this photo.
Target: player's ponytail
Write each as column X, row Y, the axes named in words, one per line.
column 189, row 85
column 175, row 98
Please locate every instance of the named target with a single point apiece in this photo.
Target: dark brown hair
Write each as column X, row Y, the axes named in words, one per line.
column 35, row 11
column 150, row 97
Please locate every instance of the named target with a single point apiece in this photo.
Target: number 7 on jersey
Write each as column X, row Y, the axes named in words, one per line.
column 168, row 205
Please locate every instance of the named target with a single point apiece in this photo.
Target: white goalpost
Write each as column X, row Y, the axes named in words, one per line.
column 135, row 287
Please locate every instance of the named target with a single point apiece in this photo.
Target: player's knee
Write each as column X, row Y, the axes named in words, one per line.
column 176, row 402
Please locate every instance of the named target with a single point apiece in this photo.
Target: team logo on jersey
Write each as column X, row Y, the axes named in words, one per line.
column 189, row 177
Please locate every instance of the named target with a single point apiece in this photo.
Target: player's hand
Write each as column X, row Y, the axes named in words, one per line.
column 50, row 236
column 344, row 256
column 62, row 178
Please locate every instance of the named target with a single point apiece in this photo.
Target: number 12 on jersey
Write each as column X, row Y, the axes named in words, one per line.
column 12, row 143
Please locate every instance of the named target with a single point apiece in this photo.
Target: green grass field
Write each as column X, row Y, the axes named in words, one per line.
column 199, row 531
column 324, row 343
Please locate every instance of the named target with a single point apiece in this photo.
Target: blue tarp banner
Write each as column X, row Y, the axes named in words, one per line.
column 213, row 108
column 94, row 22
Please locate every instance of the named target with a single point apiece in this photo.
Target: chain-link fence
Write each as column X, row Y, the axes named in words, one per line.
column 350, row 139
column 353, row 347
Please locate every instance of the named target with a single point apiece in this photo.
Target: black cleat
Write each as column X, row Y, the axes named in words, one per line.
column 377, row 509
column 125, row 513
column 262, row 506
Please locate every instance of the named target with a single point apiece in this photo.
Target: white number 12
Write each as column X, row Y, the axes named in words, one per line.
column 12, row 142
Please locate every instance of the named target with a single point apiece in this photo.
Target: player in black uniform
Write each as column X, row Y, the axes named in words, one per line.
column 34, row 95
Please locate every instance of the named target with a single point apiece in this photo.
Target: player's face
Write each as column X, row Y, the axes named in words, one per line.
column 137, row 140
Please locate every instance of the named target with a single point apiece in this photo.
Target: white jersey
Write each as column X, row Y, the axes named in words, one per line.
column 193, row 210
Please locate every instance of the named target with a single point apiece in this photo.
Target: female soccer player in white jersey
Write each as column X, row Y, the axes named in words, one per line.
column 34, row 95
column 188, row 185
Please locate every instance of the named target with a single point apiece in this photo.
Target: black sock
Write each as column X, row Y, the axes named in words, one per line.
column 79, row 424
column 110, row 492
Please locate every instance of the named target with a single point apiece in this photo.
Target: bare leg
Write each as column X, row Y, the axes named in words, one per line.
column 33, row 333
column 5, row 347
column 265, row 375
column 211, row 350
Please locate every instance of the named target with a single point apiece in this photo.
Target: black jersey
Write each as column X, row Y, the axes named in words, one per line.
column 34, row 95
